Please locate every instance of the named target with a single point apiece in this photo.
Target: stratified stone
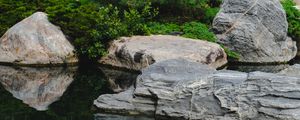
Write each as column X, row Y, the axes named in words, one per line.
column 178, row 89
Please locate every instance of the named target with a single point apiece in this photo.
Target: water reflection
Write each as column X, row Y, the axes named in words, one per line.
column 119, row 80
column 36, row 87
column 119, row 117
column 57, row 93
column 262, row 68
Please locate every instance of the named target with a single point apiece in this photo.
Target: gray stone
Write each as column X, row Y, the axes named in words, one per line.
column 179, row 89
column 37, row 87
column 35, row 41
column 138, row 52
column 256, row 29
column 291, row 71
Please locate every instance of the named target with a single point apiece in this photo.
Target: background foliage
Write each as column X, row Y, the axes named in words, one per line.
column 91, row 24
column 293, row 17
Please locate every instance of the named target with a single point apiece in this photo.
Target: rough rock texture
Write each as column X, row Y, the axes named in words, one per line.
column 257, row 29
column 291, row 71
column 37, row 87
column 179, row 89
column 140, row 51
column 36, row 41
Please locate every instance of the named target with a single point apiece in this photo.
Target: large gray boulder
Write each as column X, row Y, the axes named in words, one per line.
column 256, row 29
column 179, row 89
column 35, row 41
column 37, row 87
column 138, row 52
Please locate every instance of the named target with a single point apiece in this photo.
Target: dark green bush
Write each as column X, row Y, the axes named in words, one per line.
column 12, row 11
column 179, row 10
column 293, row 17
column 195, row 30
column 198, row 30
column 89, row 24
column 167, row 28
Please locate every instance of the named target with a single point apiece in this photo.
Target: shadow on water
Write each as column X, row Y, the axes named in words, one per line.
column 67, row 93
column 270, row 68
column 57, row 93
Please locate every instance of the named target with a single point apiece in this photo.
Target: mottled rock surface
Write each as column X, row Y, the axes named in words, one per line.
column 256, row 29
column 140, row 51
column 35, row 41
column 37, row 87
column 179, row 89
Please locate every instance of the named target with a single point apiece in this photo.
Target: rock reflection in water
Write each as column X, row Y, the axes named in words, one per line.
column 119, row 80
column 37, row 87
column 262, row 68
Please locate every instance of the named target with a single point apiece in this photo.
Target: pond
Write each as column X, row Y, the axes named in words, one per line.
column 58, row 93
column 67, row 93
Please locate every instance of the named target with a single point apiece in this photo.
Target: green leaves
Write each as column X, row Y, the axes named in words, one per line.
column 195, row 30
column 198, row 30
column 293, row 17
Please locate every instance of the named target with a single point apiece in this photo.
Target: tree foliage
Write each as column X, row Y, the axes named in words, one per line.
column 293, row 17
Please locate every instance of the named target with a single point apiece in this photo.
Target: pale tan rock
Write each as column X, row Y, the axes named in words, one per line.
column 36, row 41
column 138, row 52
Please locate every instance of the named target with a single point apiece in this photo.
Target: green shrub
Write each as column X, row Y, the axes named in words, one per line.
column 89, row 24
column 178, row 10
column 210, row 14
column 198, row 30
column 232, row 55
column 293, row 17
column 12, row 11
column 195, row 30
column 159, row 28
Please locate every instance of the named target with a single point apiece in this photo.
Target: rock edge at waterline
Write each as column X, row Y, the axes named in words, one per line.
column 179, row 89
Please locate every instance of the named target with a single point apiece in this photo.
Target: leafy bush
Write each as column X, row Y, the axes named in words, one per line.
column 293, row 17
column 195, row 30
column 198, row 30
column 167, row 28
column 89, row 24
column 12, row 12
column 179, row 10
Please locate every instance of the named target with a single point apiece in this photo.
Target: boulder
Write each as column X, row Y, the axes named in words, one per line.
column 35, row 41
column 138, row 52
column 180, row 89
column 37, row 87
column 256, row 29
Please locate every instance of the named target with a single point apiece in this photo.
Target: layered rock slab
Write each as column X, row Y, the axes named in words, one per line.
column 256, row 29
column 35, row 41
column 138, row 52
column 180, row 89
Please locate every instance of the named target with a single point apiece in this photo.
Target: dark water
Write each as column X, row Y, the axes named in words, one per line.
column 58, row 93
column 68, row 93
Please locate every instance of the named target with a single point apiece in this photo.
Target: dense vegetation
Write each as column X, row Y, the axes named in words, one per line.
column 293, row 17
column 91, row 24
